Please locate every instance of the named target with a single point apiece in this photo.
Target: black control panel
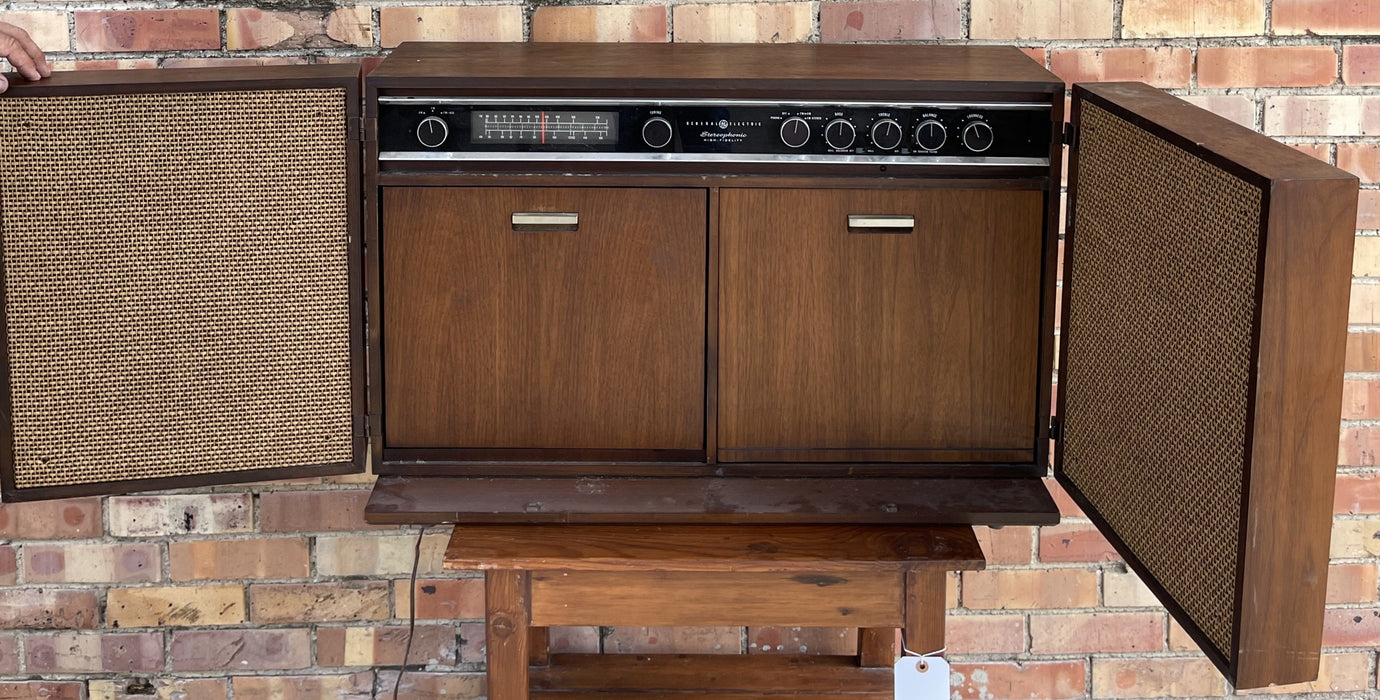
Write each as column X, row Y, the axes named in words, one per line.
column 450, row 129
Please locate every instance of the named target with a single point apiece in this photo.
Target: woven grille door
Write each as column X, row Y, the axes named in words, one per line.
column 181, row 279
column 1206, row 277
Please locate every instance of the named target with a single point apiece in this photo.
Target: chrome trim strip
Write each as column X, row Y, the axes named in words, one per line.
column 538, row 157
column 705, row 102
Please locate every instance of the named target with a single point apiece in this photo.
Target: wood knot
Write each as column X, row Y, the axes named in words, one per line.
column 502, row 626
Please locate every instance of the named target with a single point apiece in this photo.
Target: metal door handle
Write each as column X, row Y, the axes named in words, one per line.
column 545, row 221
column 880, row 223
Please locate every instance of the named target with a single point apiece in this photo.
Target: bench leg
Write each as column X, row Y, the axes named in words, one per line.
column 507, row 612
column 925, row 610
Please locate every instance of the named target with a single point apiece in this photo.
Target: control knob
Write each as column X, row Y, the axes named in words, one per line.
column 839, row 134
column 795, row 132
column 432, row 132
column 656, row 132
column 978, row 136
column 886, row 134
column 930, row 135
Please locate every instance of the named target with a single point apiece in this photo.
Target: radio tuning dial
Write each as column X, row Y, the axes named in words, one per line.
column 839, row 134
column 886, row 134
column 978, row 136
column 795, row 132
column 432, row 132
column 657, row 132
column 931, row 135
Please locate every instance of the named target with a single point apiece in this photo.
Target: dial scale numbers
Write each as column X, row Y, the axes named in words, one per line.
column 409, row 127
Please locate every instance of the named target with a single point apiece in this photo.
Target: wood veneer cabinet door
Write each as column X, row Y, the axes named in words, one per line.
column 1206, row 277
column 585, row 335
column 844, row 342
column 183, row 296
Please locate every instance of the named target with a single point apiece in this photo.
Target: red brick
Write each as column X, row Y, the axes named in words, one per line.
column 241, row 649
column 384, row 646
column 1015, row 589
column 1319, row 151
column 9, row 654
column 43, row 690
column 1041, row 19
column 1322, row 115
column 1013, row 680
column 794, row 640
column 1357, row 493
column 1325, row 17
column 1266, row 66
column 1163, row 66
column 889, row 20
column 1362, row 159
column 1351, row 627
column 425, row 686
column 93, row 563
column 1155, row 678
column 51, row 520
column 72, row 652
column 1008, row 546
column 379, row 555
column 147, row 30
column 1192, row 18
column 279, row 557
column 47, row 29
column 163, row 688
column 774, row 23
column 1067, row 508
column 474, row 23
column 252, row 28
column 1237, row 108
column 673, row 640
column 9, row 566
column 1075, row 543
column 1359, row 445
column 1363, row 352
column 1368, row 207
column 473, row 638
column 1361, row 64
column 985, row 634
column 313, row 511
column 601, row 23
column 48, row 608
column 175, row 606
column 443, row 599
column 346, row 601
column 355, row 686
column 1336, row 673
column 180, row 514
column 1360, row 399
column 107, row 64
column 1096, row 632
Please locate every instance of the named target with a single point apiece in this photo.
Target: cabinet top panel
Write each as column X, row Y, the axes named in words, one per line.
column 721, row 67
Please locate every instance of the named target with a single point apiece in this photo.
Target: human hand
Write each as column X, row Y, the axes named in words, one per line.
column 23, row 54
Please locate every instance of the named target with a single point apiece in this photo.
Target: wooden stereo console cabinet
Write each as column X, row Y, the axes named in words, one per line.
column 545, row 283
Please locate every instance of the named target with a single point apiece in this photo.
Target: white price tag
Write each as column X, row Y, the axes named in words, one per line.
column 922, row 678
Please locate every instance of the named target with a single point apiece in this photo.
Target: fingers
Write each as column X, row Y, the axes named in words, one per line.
column 17, row 46
column 4, row 84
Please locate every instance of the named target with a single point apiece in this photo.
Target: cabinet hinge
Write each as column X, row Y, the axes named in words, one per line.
column 1056, row 428
column 1071, row 134
column 361, row 129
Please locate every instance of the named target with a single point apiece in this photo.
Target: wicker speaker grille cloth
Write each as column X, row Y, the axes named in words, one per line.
column 176, row 283
column 1162, row 306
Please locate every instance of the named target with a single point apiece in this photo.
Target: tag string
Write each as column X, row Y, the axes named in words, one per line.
column 923, row 666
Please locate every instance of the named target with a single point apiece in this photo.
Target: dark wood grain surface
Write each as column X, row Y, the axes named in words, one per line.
column 753, row 673
column 760, row 548
column 716, row 66
column 504, row 338
column 993, row 501
column 180, row 79
column 845, row 345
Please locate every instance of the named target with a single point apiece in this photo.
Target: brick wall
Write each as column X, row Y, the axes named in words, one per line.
column 280, row 590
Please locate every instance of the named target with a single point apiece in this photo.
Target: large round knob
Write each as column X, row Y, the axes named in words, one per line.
column 432, row 132
column 839, row 134
column 656, row 132
column 886, row 134
column 977, row 136
column 930, row 135
column 795, row 132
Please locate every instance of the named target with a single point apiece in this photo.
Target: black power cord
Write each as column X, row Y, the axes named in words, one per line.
column 412, row 606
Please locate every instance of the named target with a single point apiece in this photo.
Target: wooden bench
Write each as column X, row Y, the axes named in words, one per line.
column 877, row 578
